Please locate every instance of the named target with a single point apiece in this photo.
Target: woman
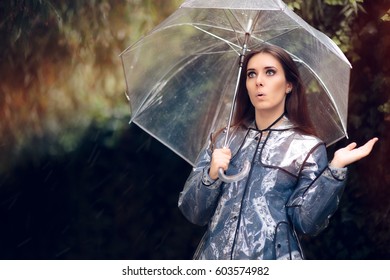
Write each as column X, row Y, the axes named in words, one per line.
column 290, row 190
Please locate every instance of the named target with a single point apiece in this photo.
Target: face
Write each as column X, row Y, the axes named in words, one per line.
column 266, row 84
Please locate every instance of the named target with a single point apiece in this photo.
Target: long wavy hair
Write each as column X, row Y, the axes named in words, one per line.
column 295, row 106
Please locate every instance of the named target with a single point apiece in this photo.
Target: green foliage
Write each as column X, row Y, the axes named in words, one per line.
column 333, row 17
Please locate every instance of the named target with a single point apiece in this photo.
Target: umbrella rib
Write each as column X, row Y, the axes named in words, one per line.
column 154, row 91
column 325, row 88
column 303, row 24
column 247, row 29
column 165, row 143
column 230, row 44
column 200, row 29
column 231, row 24
column 281, row 34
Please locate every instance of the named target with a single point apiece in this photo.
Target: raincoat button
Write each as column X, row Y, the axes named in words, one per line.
column 234, row 218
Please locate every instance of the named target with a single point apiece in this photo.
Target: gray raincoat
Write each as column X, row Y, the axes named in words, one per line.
column 290, row 190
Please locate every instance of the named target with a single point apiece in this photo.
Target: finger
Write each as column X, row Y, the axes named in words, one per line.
column 351, row 146
column 226, row 151
column 369, row 145
column 219, row 152
column 225, row 166
column 220, row 160
column 222, row 163
column 373, row 140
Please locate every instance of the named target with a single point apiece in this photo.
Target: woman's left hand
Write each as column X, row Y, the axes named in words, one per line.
column 350, row 153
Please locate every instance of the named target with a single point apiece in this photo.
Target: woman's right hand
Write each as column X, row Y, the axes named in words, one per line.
column 219, row 159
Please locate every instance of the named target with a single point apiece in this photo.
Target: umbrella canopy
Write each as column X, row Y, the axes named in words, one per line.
column 181, row 77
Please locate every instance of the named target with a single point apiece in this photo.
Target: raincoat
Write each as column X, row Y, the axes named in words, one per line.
column 290, row 190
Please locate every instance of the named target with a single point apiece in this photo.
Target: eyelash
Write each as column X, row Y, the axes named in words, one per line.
column 272, row 72
column 268, row 72
column 250, row 74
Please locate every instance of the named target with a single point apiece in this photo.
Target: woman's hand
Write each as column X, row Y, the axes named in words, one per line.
column 350, row 153
column 219, row 159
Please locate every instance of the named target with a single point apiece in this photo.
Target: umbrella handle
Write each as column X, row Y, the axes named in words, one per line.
column 235, row 178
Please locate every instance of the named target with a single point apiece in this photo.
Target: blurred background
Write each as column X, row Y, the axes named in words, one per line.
column 78, row 182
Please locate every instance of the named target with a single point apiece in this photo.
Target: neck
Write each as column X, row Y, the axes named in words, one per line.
column 265, row 120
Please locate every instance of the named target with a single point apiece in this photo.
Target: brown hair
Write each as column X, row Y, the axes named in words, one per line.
column 296, row 105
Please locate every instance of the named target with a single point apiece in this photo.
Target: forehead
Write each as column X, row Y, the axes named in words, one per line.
column 262, row 60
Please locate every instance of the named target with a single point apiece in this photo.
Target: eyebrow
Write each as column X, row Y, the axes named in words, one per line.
column 266, row 68
column 270, row 67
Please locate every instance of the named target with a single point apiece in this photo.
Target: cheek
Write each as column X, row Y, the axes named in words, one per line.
column 248, row 84
column 281, row 86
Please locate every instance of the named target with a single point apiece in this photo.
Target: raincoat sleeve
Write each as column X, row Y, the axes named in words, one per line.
column 317, row 194
column 200, row 194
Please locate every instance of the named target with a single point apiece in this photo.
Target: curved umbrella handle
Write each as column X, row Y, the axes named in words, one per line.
column 234, row 178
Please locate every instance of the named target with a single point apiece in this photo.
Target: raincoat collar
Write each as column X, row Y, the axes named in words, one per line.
column 284, row 124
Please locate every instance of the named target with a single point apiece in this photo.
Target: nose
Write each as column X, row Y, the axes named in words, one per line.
column 259, row 82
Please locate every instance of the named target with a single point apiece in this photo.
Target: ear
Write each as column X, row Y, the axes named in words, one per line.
column 289, row 88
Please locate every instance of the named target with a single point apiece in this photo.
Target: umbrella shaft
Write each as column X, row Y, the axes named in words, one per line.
column 241, row 63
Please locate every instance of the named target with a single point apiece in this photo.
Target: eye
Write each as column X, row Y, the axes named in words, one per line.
column 270, row 72
column 251, row 74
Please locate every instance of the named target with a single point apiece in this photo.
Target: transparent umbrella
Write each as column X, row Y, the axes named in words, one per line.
column 182, row 76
